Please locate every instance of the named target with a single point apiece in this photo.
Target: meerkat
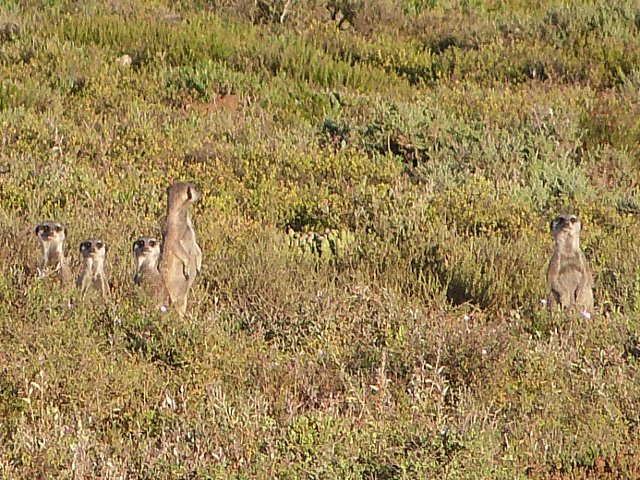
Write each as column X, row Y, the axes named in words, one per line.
column 146, row 251
column 181, row 257
column 52, row 236
column 94, row 252
column 569, row 277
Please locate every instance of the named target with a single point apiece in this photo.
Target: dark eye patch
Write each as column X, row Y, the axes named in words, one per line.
column 573, row 219
column 58, row 228
column 152, row 243
column 85, row 246
column 98, row 244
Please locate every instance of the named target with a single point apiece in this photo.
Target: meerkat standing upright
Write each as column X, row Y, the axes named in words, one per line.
column 94, row 252
column 146, row 251
column 181, row 256
column 52, row 236
column 569, row 277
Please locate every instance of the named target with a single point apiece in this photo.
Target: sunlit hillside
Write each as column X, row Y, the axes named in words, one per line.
column 377, row 181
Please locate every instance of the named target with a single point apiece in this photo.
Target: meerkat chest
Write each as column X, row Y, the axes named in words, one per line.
column 147, row 271
column 53, row 255
column 570, row 268
column 571, row 265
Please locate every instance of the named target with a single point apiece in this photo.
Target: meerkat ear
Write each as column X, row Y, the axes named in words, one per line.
column 190, row 194
column 38, row 229
column 65, row 231
column 81, row 243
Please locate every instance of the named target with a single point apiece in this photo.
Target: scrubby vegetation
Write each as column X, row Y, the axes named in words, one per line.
column 377, row 180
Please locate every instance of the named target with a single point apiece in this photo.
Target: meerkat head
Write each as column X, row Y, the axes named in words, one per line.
column 565, row 228
column 93, row 248
column 50, row 231
column 146, row 248
column 182, row 193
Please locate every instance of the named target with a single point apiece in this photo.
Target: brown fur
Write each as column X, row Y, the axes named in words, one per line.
column 181, row 257
column 569, row 277
column 52, row 236
column 94, row 252
column 146, row 251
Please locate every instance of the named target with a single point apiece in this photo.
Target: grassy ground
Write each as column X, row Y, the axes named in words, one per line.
column 436, row 138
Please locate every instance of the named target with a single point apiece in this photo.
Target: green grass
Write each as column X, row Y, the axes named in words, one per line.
column 435, row 140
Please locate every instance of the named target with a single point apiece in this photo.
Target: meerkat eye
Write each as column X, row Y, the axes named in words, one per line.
column 58, row 228
column 85, row 245
column 98, row 244
column 573, row 219
column 152, row 243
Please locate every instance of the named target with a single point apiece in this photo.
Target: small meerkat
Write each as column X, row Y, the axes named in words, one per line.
column 146, row 251
column 52, row 236
column 94, row 252
column 181, row 257
column 569, row 277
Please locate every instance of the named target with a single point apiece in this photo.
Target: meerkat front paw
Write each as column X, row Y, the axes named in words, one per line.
column 185, row 271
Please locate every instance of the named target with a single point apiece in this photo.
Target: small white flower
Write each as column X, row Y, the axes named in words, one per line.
column 466, row 318
column 483, row 351
column 164, row 309
column 586, row 314
column 543, row 301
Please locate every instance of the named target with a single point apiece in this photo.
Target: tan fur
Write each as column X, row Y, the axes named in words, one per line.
column 52, row 236
column 94, row 252
column 181, row 257
column 569, row 277
column 146, row 251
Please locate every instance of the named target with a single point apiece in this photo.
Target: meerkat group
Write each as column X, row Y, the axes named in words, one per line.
column 165, row 270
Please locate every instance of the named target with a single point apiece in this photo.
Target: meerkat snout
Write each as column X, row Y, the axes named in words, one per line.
column 565, row 222
column 50, row 231
column 93, row 248
column 146, row 247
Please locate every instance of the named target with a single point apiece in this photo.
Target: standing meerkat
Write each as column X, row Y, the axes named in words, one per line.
column 181, row 256
column 52, row 236
column 569, row 277
column 94, row 252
